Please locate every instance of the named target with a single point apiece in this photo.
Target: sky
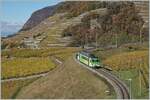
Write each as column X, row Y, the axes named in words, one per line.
column 19, row 11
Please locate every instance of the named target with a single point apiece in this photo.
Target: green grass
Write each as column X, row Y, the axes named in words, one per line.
column 18, row 67
column 135, row 84
column 9, row 90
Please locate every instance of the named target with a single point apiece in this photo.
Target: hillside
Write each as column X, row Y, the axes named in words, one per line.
column 52, row 29
column 48, row 25
column 121, row 24
column 71, row 7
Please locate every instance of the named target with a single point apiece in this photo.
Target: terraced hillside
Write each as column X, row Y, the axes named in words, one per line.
column 50, row 29
column 143, row 8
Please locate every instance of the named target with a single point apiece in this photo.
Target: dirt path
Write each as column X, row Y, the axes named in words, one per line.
column 24, row 78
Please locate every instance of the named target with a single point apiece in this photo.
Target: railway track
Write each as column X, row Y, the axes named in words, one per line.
column 119, row 87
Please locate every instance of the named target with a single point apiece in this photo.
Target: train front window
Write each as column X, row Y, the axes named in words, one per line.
column 95, row 60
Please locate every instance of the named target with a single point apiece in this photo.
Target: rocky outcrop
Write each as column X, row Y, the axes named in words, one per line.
column 38, row 17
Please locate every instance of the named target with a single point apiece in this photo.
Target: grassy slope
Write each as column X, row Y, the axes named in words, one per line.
column 11, row 89
column 135, row 85
column 68, row 81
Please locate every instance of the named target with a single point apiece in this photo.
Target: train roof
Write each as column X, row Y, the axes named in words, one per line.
column 88, row 54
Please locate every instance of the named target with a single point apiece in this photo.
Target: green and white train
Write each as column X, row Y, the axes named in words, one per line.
column 88, row 59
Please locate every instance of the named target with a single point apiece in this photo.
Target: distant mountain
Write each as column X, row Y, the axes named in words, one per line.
column 8, row 28
column 39, row 16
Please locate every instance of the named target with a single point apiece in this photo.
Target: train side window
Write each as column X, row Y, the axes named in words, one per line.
column 84, row 58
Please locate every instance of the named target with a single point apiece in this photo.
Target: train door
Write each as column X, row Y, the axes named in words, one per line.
column 90, row 62
column 77, row 56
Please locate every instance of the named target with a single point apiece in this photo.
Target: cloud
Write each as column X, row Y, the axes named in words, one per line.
column 10, row 26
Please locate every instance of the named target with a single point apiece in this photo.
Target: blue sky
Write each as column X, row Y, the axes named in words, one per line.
column 19, row 11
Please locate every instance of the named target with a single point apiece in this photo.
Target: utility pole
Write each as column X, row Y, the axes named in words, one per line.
column 130, row 85
column 94, row 24
column 130, row 80
column 140, row 82
column 99, row 25
column 96, row 38
column 130, row 88
column 141, row 33
column 81, row 41
column 116, row 40
column 115, row 29
column 93, row 27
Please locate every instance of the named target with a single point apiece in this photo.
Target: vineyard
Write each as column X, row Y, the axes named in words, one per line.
column 25, row 62
column 26, row 53
column 18, row 67
column 46, row 52
column 129, row 60
column 132, row 60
